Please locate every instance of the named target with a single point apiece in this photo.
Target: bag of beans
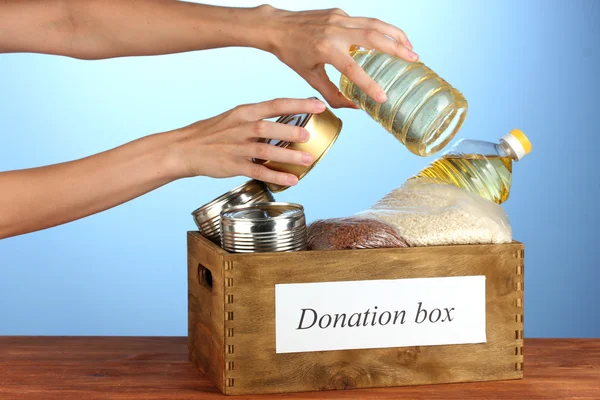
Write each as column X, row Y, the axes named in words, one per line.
column 427, row 213
column 352, row 233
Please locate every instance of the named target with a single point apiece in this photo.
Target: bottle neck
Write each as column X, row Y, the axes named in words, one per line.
column 506, row 151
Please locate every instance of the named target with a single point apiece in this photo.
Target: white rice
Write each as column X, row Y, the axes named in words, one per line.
column 431, row 214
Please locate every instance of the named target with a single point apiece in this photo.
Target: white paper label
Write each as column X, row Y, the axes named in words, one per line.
column 379, row 313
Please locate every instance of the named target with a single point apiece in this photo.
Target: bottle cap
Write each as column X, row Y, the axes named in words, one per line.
column 518, row 142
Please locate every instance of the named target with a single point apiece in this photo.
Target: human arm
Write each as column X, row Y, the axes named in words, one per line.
column 100, row 29
column 303, row 40
column 223, row 146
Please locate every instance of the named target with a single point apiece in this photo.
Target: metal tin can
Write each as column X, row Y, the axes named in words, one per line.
column 264, row 227
column 208, row 217
column 324, row 130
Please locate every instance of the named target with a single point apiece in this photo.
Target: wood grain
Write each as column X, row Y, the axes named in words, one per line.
column 206, row 325
column 249, row 313
column 147, row 368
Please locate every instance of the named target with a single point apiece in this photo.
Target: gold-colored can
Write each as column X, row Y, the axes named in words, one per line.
column 324, row 129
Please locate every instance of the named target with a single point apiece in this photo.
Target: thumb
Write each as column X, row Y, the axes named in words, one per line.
column 318, row 79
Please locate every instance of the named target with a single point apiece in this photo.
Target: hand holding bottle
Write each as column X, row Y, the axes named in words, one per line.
column 325, row 37
column 303, row 40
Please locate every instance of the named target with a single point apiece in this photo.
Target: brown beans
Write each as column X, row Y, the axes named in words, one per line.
column 352, row 233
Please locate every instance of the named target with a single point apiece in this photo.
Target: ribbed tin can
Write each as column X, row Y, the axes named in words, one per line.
column 264, row 227
column 208, row 217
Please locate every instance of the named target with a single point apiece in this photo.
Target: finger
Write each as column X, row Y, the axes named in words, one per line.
column 382, row 27
column 282, row 106
column 337, row 11
column 375, row 40
column 262, row 173
column 319, row 80
column 348, row 67
column 270, row 130
column 265, row 151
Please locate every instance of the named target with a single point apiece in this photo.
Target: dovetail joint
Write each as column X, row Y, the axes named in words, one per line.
column 519, row 366
column 519, row 318
column 519, row 289
column 519, row 334
column 229, row 331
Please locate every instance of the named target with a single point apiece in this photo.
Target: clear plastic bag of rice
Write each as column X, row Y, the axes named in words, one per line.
column 428, row 213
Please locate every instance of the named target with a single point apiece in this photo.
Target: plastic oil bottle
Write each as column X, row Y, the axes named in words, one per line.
column 481, row 167
column 422, row 111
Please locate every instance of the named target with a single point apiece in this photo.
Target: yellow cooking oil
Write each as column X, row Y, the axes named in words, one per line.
column 422, row 110
column 488, row 176
column 481, row 167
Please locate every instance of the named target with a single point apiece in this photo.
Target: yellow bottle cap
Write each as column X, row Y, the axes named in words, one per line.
column 520, row 136
column 518, row 142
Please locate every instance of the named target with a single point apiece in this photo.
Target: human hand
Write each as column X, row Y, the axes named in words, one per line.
column 225, row 145
column 307, row 40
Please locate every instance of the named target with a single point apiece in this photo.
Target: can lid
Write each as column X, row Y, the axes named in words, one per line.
column 518, row 142
column 263, row 211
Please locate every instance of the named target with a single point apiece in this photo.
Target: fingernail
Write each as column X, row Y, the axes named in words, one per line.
column 381, row 96
column 292, row 180
column 304, row 135
column 319, row 105
column 413, row 56
column 307, row 158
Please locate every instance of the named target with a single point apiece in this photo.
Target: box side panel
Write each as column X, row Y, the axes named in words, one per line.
column 258, row 369
column 205, row 309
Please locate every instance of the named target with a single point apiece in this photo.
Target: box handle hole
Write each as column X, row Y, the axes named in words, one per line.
column 205, row 277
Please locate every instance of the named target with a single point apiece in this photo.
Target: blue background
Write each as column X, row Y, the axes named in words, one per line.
column 526, row 64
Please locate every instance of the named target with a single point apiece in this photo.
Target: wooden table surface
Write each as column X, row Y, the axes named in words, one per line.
column 157, row 368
